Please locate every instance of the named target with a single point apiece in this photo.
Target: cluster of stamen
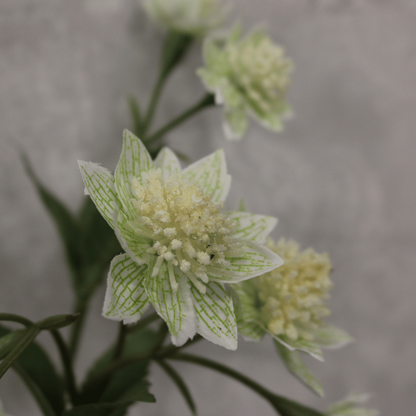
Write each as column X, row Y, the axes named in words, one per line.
column 292, row 296
column 261, row 70
column 184, row 227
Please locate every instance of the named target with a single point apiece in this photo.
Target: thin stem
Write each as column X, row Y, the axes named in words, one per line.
column 143, row 323
column 171, row 349
column 11, row 317
column 81, row 308
column 153, row 103
column 37, row 393
column 206, row 101
column 67, row 365
column 121, row 339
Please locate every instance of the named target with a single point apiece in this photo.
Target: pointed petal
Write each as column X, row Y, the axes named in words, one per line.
column 253, row 227
column 235, row 123
column 125, row 298
column 99, row 183
column 329, row 336
column 297, row 367
column 215, row 315
column 211, row 174
column 132, row 243
column 310, row 347
column 168, row 163
column 175, row 307
column 255, row 260
column 134, row 160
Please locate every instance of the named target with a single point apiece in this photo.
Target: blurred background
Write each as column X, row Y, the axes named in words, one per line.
column 340, row 178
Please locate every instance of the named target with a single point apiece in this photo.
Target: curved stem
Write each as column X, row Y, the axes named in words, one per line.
column 206, row 101
column 11, row 317
column 121, row 339
column 81, row 308
column 67, row 365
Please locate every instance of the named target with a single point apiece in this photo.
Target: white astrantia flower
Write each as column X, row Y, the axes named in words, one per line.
column 348, row 407
column 180, row 248
column 249, row 76
column 289, row 304
column 190, row 17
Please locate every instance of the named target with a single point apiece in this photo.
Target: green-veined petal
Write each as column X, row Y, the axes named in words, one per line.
column 175, row 307
column 298, row 368
column 99, row 184
column 168, row 162
column 215, row 315
column 211, row 174
column 253, row 227
column 310, row 347
column 252, row 259
column 215, row 57
column 329, row 336
column 134, row 160
column 125, row 298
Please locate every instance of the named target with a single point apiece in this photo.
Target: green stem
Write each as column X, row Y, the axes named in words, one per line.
column 11, row 317
column 121, row 339
column 67, row 365
column 81, row 308
column 36, row 391
column 206, row 101
column 143, row 323
column 171, row 349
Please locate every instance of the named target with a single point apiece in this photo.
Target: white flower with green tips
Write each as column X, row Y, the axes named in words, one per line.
column 180, row 249
column 289, row 304
column 348, row 407
column 190, row 17
column 249, row 76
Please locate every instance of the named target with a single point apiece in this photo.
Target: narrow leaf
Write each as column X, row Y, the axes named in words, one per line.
column 57, row 321
column 96, row 409
column 9, row 341
column 178, row 380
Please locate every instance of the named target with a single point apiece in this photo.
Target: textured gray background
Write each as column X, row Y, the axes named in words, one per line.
column 340, row 177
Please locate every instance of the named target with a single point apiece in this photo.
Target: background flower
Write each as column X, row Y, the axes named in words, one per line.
column 180, row 248
column 248, row 76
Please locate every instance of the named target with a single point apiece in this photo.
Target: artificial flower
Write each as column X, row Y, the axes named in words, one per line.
column 249, row 76
column 289, row 304
column 180, row 249
column 189, row 17
column 348, row 407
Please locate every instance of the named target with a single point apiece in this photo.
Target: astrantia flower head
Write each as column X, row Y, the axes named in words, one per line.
column 248, row 76
column 190, row 17
column 289, row 304
column 180, row 247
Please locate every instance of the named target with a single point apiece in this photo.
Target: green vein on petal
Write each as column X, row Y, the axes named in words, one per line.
column 175, row 307
column 125, row 298
column 168, row 162
column 134, row 160
column 252, row 226
column 215, row 317
column 211, row 174
column 99, row 183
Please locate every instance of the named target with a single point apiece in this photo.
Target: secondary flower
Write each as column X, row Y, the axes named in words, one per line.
column 348, row 407
column 289, row 304
column 190, row 17
column 248, row 76
column 180, row 248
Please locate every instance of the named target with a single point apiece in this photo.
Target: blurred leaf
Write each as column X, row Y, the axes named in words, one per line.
column 40, row 369
column 64, row 221
column 98, row 244
column 56, row 321
column 297, row 367
column 286, row 407
column 9, row 341
column 125, row 379
column 97, row 409
column 174, row 49
column 135, row 116
column 178, row 380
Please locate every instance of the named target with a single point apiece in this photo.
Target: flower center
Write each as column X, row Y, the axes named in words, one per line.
column 186, row 229
column 293, row 295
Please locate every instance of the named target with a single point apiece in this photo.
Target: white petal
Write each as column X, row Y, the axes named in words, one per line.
column 211, row 174
column 252, row 226
column 134, row 160
column 125, row 298
column 175, row 307
column 168, row 162
column 99, row 182
column 330, row 336
column 310, row 347
column 215, row 317
column 256, row 260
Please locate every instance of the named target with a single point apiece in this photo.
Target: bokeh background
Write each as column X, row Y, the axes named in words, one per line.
column 340, row 177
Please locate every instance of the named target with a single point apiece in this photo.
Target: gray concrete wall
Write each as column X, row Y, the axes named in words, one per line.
column 340, row 177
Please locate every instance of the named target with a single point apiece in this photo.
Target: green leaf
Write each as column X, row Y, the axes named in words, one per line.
column 174, row 49
column 9, row 341
column 57, row 321
column 178, row 380
column 40, row 369
column 310, row 347
column 64, row 220
column 286, row 407
column 296, row 366
column 97, row 409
